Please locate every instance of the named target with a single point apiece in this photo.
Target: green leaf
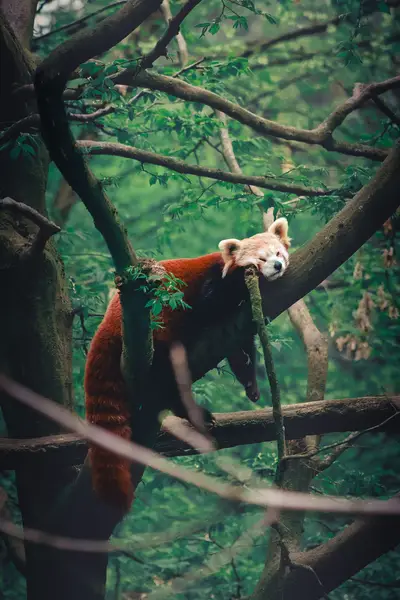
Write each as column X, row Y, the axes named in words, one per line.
column 215, row 27
column 157, row 308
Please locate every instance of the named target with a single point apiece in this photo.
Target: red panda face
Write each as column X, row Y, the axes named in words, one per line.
column 267, row 251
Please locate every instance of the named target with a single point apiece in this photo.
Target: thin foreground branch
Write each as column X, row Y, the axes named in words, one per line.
column 230, row 430
column 266, row 498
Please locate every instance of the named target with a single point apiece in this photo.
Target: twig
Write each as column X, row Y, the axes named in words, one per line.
column 251, row 279
column 78, row 21
column 315, row 28
column 359, row 98
column 228, row 153
column 184, row 382
column 215, row 562
column 386, row 110
column 180, row 40
column 160, row 49
column 340, row 447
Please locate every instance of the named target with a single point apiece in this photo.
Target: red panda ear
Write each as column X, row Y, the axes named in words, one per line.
column 280, row 228
column 228, row 249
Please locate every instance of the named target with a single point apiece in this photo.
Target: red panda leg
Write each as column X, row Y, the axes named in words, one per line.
column 243, row 365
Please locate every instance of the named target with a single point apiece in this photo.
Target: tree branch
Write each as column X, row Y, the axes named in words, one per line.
column 338, row 559
column 230, row 430
column 78, row 22
column 368, row 92
column 339, row 239
column 185, row 91
column 160, row 49
column 180, row 40
column 175, row 164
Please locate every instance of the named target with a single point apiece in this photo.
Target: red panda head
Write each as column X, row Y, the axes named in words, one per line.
column 268, row 251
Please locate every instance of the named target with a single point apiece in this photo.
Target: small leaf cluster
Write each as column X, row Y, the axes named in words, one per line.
column 165, row 291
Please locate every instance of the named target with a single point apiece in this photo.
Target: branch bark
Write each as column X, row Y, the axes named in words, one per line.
column 230, row 430
column 265, row 127
column 180, row 166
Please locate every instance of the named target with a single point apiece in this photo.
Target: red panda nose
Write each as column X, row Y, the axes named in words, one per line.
column 277, row 265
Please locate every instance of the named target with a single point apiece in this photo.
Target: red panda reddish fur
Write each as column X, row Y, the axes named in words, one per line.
column 106, row 400
column 214, row 288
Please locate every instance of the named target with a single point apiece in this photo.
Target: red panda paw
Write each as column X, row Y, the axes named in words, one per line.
column 252, row 392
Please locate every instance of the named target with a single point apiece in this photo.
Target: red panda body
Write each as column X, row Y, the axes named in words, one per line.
column 214, row 289
column 211, row 298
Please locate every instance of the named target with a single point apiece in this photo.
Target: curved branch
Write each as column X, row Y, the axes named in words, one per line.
column 176, row 87
column 373, row 90
column 175, row 164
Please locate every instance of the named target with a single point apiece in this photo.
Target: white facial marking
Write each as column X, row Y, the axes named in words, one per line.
column 267, row 251
column 275, row 265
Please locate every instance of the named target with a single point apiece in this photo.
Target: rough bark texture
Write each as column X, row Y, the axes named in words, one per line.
column 231, row 430
column 35, row 345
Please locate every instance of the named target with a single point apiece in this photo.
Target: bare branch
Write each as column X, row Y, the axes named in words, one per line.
column 78, row 22
column 337, row 117
column 230, row 430
column 229, row 155
column 266, row 498
column 160, row 49
column 339, row 558
column 180, row 40
column 175, row 164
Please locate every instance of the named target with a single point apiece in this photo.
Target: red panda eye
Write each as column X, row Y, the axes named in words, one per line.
column 262, row 259
column 278, row 253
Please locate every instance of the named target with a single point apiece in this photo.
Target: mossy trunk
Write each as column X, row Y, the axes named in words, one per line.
column 35, row 321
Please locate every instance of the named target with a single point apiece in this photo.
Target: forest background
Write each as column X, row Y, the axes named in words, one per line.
column 292, row 63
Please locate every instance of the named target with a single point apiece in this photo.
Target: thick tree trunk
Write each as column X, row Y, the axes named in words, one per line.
column 35, row 322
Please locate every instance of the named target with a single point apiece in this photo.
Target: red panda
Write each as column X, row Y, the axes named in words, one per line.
column 215, row 288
